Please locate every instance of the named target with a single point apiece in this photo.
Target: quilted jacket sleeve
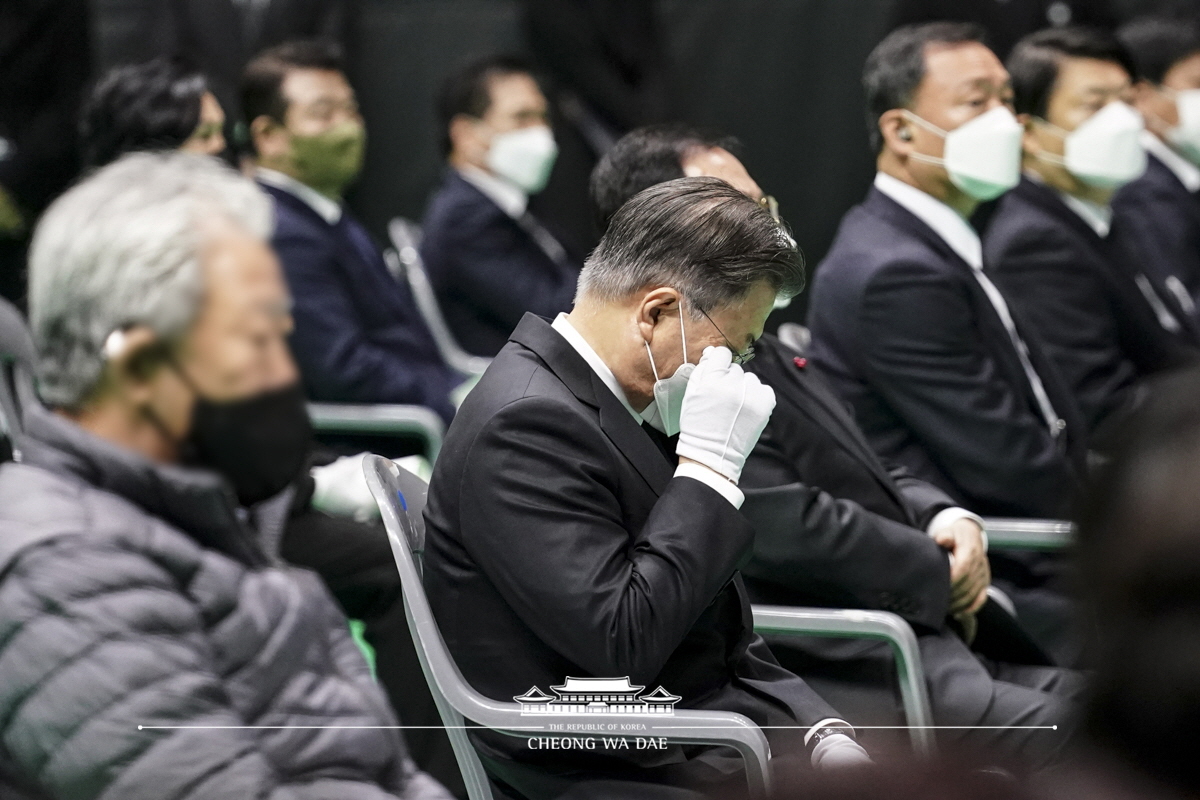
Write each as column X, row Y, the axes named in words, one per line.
column 104, row 658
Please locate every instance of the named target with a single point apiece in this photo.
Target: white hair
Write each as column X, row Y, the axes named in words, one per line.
column 123, row 248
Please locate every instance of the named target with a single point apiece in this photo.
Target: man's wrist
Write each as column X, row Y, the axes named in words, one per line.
column 949, row 516
column 716, row 481
column 824, row 729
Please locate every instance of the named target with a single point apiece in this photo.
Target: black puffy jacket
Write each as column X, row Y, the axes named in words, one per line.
column 142, row 630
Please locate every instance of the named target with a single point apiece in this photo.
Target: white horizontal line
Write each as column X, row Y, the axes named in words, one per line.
column 666, row 730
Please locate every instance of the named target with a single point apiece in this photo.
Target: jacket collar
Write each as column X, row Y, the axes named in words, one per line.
column 198, row 502
column 569, row 366
column 880, row 205
column 1042, row 196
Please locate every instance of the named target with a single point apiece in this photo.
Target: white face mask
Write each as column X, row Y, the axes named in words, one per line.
column 1185, row 137
column 1106, row 151
column 669, row 392
column 982, row 156
column 524, row 157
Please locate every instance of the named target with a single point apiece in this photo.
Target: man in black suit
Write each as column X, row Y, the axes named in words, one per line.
column 489, row 259
column 358, row 336
column 1053, row 245
column 835, row 527
column 571, row 534
column 1162, row 207
column 943, row 379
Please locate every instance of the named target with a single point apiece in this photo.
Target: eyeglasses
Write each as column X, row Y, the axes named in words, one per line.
column 739, row 357
column 771, row 205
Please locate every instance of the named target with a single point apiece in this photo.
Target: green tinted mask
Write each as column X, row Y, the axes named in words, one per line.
column 330, row 161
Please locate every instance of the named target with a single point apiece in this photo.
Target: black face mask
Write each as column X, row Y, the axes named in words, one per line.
column 259, row 444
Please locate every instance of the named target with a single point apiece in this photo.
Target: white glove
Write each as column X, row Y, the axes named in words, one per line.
column 839, row 752
column 724, row 412
column 341, row 487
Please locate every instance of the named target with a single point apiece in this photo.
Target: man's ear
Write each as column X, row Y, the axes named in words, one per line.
column 465, row 139
column 654, row 304
column 134, row 355
column 269, row 137
column 897, row 131
column 1029, row 140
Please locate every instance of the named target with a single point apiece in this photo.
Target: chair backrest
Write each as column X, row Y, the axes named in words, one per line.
column 401, row 498
column 405, row 261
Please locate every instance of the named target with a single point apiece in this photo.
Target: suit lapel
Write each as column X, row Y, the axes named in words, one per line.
column 827, row 412
column 618, row 425
column 992, row 326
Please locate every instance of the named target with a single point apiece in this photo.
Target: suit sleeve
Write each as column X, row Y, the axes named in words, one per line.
column 923, row 498
column 335, row 355
column 541, row 513
column 101, row 651
column 499, row 273
column 927, row 362
column 834, row 549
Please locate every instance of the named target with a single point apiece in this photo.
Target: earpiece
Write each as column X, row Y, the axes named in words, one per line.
column 905, row 135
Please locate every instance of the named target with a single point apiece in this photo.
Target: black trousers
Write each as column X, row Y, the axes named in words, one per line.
column 355, row 561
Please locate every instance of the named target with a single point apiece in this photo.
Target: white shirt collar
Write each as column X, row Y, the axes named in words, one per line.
column 1187, row 172
column 945, row 221
column 511, row 199
column 576, row 340
column 328, row 209
column 1098, row 218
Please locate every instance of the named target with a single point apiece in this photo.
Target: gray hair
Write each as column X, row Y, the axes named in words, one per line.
column 698, row 235
column 123, row 248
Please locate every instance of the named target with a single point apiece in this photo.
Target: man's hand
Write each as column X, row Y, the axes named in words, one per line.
column 724, row 412
column 970, row 574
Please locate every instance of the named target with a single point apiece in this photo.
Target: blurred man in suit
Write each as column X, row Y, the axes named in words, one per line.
column 359, row 337
column 835, row 527
column 1162, row 207
column 489, row 259
column 583, row 521
column 943, row 378
column 1064, row 263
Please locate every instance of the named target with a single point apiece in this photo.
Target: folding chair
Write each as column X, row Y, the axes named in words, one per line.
column 1029, row 534
column 381, row 420
column 400, row 496
column 406, row 264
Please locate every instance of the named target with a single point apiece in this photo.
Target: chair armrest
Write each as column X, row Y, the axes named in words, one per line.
column 1029, row 534
column 380, row 420
column 862, row 624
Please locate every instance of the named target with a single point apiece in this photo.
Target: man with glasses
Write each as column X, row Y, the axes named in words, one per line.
column 583, row 516
column 359, row 336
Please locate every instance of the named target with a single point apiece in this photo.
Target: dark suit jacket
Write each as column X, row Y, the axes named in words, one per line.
column 358, row 336
column 487, row 270
column 560, row 544
column 1163, row 218
column 906, row 334
column 833, row 526
column 1079, row 292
